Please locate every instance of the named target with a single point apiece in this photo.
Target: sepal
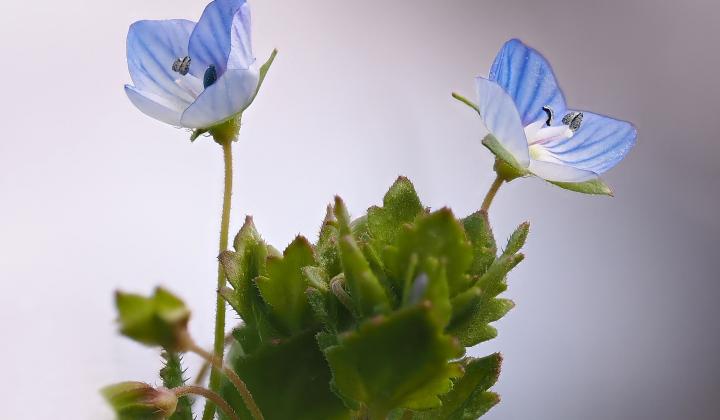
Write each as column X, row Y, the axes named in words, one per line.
column 138, row 400
column 506, row 166
column 594, row 186
column 228, row 130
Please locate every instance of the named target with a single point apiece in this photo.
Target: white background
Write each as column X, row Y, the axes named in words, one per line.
column 617, row 303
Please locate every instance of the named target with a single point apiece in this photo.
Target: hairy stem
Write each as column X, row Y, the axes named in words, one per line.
column 219, row 343
column 209, row 395
column 205, row 368
column 491, row 193
column 232, row 376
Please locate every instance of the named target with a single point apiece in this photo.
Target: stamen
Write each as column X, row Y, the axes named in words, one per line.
column 573, row 120
column 182, row 65
column 550, row 115
column 210, row 76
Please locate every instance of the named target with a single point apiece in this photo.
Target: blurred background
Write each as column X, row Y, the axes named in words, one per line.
column 617, row 303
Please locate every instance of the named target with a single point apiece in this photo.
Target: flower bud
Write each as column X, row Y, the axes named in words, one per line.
column 138, row 400
column 158, row 320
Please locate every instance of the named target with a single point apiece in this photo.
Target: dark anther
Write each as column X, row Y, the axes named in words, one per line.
column 210, row 76
column 550, row 115
column 182, row 65
column 573, row 120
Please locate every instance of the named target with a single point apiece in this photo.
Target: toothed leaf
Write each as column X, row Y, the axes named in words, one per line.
column 477, row 229
column 288, row 379
column 400, row 205
column 402, row 360
column 327, row 246
column 367, row 293
column 469, row 398
column 284, row 287
column 473, row 328
column 440, row 236
column 517, row 239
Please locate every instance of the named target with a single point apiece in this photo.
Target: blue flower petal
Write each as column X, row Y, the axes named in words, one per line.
column 502, row 120
column 222, row 100
column 156, row 106
column 222, row 38
column 558, row 172
column 599, row 144
column 152, row 47
column 528, row 78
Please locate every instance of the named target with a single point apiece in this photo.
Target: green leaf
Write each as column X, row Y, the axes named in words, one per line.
column 469, row 398
column 367, row 293
column 327, row 246
column 359, row 228
column 478, row 231
column 465, row 302
column 342, row 217
column 473, row 328
column 517, row 239
column 441, row 237
column 284, row 287
column 402, row 360
column 158, row 320
column 431, row 286
column 400, row 205
column 172, row 375
column 474, row 334
column 288, row 380
column 492, row 283
column 377, row 265
column 594, row 186
column 319, row 301
column 242, row 266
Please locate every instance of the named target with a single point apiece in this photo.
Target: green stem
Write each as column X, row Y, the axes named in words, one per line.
column 209, row 396
column 219, row 343
column 491, row 193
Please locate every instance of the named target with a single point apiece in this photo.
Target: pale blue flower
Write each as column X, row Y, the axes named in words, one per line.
column 194, row 75
column 524, row 110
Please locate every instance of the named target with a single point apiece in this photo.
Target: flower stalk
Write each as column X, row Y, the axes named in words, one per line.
column 208, row 395
column 232, row 376
column 492, row 192
column 219, row 342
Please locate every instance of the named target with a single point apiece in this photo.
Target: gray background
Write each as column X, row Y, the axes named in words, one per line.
column 617, row 302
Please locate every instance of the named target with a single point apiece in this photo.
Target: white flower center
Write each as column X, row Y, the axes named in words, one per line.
column 539, row 134
column 191, row 86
